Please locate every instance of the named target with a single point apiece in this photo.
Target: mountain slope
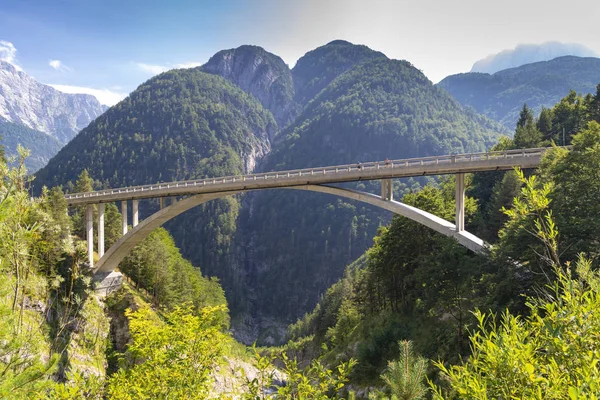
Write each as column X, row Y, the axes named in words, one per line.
column 300, row 241
column 501, row 96
column 27, row 102
column 182, row 124
column 317, row 68
column 260, row 73
column 42, row 147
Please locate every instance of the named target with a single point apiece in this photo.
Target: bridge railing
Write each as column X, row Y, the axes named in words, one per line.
column 368, row 166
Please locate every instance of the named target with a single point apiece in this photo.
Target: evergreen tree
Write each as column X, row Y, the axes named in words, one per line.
column 527, row 136
column 404, row 377
column 594, row 109
column 544, row 123
column 525, row 117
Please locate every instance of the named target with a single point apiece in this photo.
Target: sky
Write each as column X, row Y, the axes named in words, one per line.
column 109, row 47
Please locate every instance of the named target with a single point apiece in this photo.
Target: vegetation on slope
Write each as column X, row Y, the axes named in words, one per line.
column 541, row 84
column 379, row 109
column 182, row 124
column 42, row 147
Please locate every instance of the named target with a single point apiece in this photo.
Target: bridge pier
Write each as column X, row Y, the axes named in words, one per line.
column 460, row 202
column 100, row 229
column 124, row 216
column 134, row 212
column 89, row 217
column 386, row 190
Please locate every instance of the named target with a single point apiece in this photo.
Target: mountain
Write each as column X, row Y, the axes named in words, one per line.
column 274, row 251
column 530, row 53
column 500, row 96
column 317, row 68
column 25, row 101
column 42, row 147
column 260, row 73
column 381, row 108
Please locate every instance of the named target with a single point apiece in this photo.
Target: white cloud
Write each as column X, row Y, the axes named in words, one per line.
column 58, row 65
column 104, row 96
column 8, row 53
column 157, row 69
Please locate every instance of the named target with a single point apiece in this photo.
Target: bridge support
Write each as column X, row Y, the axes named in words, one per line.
column 161, row 203
column 460, row 202
column 124, row 216
column 100, row 229
column 89, row 217
column 134, row 212
column 386, row 190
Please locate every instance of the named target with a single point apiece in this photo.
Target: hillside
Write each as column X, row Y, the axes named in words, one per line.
column 25, row 101
column 300, row 242
column 500, row 96
column 42, row 146
column 182, row 124
column 317, row 68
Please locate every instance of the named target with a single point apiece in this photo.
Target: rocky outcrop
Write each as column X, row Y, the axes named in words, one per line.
column 260, row 73
column 25, row 101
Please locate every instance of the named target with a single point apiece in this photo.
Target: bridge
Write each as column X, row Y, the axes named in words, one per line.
column 185, row 195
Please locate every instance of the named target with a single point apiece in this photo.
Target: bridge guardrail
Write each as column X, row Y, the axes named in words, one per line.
column 403, row 163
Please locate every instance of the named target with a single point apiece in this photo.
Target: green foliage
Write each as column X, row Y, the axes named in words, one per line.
column 405, row 377
column 315, row 381
column 552, row 353
column 156, row 265
column 170, row 359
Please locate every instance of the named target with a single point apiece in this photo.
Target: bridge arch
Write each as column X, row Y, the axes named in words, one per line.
column 122, row 247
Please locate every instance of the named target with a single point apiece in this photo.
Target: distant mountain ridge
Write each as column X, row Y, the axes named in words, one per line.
column 25, row 101
column 501, row 95
column 530, row 53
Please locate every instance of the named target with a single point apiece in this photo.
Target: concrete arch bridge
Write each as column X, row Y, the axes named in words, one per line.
column 196, row 192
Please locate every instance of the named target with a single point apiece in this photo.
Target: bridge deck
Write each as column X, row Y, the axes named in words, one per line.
column 437, row 165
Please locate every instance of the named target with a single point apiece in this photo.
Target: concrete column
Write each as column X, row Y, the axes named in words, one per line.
column 161, row 202
column 386, row 189
column 135, row 212
column 460, row 202
column 89, row 217
column 100, row 229
column 124, row 215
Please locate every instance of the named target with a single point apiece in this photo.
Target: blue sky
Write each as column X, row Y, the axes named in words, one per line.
column 113, row 46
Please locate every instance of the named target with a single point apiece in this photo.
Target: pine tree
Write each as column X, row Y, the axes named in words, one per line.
column 525, row 117
column 405, row 377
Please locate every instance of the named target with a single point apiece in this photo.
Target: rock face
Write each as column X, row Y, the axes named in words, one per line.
column 25, row 101
column 260, row 73
column 501, row 95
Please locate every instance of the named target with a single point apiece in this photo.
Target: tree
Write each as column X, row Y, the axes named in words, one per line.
column 525, row 116
column 405, row 377
column 170, row 359
column 544, row 123
column 527, row 136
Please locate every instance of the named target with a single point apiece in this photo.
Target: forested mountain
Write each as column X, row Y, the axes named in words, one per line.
column 25, row 101
column 382, row 108
column 317, row 68
column 260, row 73
column 274, row 252
column 42, row 147
column 501, row 95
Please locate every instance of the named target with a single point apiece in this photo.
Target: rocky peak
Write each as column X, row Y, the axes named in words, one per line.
column 260, row 73
column 25, row 101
